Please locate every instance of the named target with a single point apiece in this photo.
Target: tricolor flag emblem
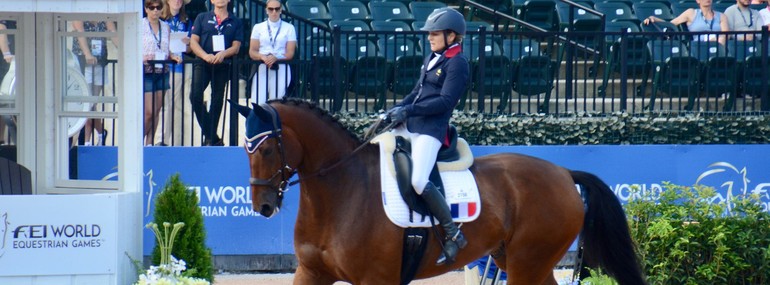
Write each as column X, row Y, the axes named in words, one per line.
column 463, row 210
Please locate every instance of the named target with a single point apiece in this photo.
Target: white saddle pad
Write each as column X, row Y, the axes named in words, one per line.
column 462, row 193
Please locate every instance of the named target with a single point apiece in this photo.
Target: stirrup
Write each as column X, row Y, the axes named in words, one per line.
column 452, row 246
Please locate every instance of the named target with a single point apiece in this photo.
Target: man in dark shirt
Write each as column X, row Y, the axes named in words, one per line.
column 216, row 36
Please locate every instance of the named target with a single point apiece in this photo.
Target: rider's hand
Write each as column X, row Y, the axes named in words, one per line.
column 397, row 115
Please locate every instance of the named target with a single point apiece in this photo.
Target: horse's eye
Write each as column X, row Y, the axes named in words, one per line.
column 265, row 151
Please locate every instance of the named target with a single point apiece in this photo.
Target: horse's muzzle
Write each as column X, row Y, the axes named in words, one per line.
column 267, row 210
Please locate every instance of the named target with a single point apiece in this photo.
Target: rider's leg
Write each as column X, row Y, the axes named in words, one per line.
column 424, row 151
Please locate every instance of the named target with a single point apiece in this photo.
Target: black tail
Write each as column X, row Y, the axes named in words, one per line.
column 607, row 242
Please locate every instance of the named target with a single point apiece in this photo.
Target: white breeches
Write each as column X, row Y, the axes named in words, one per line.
column 266, row 82
column 424, row 151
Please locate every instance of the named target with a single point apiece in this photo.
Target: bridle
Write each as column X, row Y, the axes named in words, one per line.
column 285, row 171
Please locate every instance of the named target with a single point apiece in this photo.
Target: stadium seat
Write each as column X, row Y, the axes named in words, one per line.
column 421, row 10
column 354, row 49
column 741, row 49
column 475, row 26
column 322, row 81
column 675, row 72
column 635, row 57
column 616, row 11
column 472, row 49
column 353, row 28
column 397, row 46
column 307, row 31
column 534, row 75
column 390, row 26
column 316, row 47
column 309, row 9
column 368, row 77
column 496, row 81
column 539, row 13
column 677, row 8
column 753, row 81
column 390, row 11
column 643, row 10
column 348, row 10
column 703, row 51
column 417, row 25
column 517, row 48
column 406, row 72
column 720, row 76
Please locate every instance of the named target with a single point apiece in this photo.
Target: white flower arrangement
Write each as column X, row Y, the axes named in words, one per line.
column 170, row 271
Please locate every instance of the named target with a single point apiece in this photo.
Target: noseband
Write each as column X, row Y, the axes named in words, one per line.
column 285, row 171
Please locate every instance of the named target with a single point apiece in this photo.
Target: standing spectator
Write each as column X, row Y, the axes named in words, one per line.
column 702, row 19
column 155, row 46
column 765, row 13
column 92, row 55
column 7, row 48
column 216, row 36
column 742, row 18
column 173, row 111
column 271, row 41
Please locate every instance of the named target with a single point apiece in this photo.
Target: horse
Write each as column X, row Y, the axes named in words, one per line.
column 531, row 210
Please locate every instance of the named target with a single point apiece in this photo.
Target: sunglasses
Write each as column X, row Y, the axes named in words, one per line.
column 276, row 9
column 156, row 8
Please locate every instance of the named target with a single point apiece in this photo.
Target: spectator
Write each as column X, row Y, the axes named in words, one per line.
column 271, row 41
column 742, row 18
column 155, row 46
column 474, row 272
column 7, row 48
column 92, row 55
column 765, row 13
column 173, row 111
column 703, row 19
column 216, row 36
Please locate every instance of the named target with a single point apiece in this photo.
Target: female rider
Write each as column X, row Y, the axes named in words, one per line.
column 423, row 116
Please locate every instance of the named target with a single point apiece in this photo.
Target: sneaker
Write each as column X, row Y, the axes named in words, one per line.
column 101, row 138
column 218, row 142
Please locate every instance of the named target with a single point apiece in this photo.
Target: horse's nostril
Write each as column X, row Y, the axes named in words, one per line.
column 266, row 210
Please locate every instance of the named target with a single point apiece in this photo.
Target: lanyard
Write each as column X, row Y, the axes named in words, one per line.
column 158, row 38
column 270, row 33
column 710, row 23
column 218, row 26
column 177, row 25
column 751, row 18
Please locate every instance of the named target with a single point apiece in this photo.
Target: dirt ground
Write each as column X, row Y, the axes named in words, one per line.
column 451, row 278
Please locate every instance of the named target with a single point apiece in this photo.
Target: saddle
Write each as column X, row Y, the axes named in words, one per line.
column 402, row 160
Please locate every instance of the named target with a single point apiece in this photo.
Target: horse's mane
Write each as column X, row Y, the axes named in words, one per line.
column 322, row 113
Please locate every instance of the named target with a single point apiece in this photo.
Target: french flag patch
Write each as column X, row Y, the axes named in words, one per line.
column 463, row 210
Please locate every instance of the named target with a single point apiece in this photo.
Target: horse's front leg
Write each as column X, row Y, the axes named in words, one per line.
column 304, row 276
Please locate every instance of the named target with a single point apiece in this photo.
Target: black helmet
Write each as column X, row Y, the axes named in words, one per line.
column 445, row 19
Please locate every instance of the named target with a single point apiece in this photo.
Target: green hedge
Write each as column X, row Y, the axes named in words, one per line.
column 683, row 238
column 590, row 129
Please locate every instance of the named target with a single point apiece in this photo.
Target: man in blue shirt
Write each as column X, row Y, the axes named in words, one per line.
column 216, row 36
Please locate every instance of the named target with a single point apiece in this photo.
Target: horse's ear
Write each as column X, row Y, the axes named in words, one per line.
column 243, row 110
column 262, row 113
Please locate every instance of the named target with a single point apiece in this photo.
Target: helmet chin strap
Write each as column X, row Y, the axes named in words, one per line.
column 446, row 42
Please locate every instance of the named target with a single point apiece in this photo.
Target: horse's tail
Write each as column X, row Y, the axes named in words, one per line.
column 607, row 242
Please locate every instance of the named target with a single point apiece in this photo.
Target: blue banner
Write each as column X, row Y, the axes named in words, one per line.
column 220, row 177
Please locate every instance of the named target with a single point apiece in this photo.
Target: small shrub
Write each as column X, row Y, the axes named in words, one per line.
column 177, row 204
column 683, row 238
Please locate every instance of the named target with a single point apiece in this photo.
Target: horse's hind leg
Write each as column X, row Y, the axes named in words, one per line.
column 532, row 264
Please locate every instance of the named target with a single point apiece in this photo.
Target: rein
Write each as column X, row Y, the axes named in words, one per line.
column 368, row 139
column 283, row 186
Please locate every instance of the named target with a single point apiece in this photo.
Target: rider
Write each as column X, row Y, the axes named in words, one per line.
column 423, row 116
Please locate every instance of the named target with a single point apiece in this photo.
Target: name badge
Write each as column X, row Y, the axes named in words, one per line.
column 160, row 56
column 218, row 42
column 96, row 47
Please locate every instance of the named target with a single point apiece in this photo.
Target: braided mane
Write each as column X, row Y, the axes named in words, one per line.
column 322, row 113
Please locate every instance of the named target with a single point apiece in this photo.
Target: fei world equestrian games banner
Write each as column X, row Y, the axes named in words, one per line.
column 220, row 177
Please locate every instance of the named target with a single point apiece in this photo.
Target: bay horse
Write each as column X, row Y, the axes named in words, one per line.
column 531, row 211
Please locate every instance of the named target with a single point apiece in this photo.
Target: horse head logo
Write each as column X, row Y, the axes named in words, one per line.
column 3, row 232
column 731, row 178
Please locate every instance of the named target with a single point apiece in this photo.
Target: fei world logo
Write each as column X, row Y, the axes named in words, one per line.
column 729, row 181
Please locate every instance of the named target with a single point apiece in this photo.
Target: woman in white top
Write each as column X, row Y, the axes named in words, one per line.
column 155, row 39
column 765, row 13
column 271, row 41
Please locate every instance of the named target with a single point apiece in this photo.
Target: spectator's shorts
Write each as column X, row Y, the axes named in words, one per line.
column 156, row 82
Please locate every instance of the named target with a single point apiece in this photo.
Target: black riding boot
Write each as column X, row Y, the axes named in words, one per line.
column 454, row 239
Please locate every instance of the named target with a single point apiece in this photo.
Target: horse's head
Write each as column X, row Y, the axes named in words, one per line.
column 269, row 168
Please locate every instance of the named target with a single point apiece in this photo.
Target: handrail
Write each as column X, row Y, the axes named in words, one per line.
column 530, row 26
column 587, row 9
